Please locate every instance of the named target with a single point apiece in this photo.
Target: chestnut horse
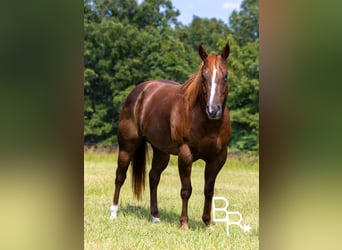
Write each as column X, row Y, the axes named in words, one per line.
column 190, row 120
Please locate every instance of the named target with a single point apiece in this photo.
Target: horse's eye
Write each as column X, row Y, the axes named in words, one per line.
column 225, row 77
column 203, row 78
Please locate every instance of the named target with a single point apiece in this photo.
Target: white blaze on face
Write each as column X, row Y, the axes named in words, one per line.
column 213, row 87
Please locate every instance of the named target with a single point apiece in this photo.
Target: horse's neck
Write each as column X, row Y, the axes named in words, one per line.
column 192, row 90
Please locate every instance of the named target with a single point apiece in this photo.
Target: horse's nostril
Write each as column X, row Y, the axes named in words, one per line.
column 214, row 110
column 211, row 111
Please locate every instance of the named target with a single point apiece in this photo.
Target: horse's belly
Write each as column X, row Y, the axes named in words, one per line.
column 158, row 134
column 163, row 144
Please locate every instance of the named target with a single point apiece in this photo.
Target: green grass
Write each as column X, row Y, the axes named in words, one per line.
column 238, row 181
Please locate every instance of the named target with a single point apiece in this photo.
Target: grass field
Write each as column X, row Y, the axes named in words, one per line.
column 238, row 182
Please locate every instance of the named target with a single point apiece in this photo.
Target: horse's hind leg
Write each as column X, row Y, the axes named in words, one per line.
column 128, row 142
column 124, row 159
column 159, row 163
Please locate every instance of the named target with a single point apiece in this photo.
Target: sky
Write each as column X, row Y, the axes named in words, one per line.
column 219, row 9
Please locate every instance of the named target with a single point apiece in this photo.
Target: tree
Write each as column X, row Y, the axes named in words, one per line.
column 120, row 53
column 245, row 23
column 244, row 95
column 156, row 13
column 126, row 43
column 203, row 30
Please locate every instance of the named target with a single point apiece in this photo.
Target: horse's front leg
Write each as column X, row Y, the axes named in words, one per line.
column 212, row 168
column 184, row 168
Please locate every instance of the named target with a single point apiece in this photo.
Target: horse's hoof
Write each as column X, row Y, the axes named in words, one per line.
column 210, row 227
column 185, row 227
column 155, row 219
column 113, row 211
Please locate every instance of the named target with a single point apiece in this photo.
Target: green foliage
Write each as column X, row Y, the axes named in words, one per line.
column 245, row 23
column 126, row 43
column 243, row 97
column 203, row 30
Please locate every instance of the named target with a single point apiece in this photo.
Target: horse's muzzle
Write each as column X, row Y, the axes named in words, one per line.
column 214, row 112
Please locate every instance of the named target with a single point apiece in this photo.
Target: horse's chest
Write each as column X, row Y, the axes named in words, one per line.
column 203, row 145
column 208, row 141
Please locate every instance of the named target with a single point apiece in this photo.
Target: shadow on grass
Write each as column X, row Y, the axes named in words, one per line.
column 165, row 216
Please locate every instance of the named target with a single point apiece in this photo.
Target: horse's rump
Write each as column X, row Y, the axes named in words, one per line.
column 149, row 106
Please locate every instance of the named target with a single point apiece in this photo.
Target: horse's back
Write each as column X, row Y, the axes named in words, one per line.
column 153, row 84
column 168, row 82
column 147, row 89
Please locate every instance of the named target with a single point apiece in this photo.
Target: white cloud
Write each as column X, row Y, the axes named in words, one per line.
column 231, row 5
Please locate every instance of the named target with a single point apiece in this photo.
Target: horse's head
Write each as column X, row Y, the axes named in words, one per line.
column 214, row 81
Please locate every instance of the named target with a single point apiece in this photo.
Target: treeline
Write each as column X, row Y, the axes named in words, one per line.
column 126, row 43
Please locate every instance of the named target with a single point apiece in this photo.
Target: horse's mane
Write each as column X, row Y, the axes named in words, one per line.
column 192, row 86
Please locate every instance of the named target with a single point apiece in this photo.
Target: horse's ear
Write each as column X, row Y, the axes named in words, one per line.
column 202, row 52
column 225, row 52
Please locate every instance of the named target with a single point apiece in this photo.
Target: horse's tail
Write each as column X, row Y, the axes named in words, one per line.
column 139, row 169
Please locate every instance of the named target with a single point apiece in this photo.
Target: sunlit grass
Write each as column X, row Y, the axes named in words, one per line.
column 238, row 181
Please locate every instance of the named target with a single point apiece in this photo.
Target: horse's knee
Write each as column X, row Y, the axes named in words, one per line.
column 186, row 192
column 209, row 192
